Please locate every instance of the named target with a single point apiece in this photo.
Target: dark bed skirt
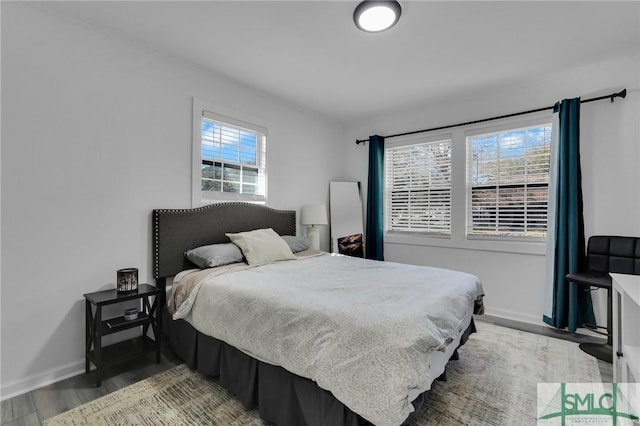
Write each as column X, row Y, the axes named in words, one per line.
column 281, row 397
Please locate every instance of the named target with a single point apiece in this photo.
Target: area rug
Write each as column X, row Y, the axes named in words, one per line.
column 493, row 383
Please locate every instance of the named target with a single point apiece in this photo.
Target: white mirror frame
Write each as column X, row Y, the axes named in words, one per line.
column 345, row 204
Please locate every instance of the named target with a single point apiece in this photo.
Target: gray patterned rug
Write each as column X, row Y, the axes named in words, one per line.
column 493, row 383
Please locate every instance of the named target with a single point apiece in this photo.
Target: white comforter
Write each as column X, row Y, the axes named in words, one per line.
column 361, row 329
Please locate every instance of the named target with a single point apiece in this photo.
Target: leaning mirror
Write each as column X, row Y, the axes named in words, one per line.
column 346, row 218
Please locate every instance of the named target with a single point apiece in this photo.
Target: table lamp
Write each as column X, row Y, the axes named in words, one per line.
column 313, row 216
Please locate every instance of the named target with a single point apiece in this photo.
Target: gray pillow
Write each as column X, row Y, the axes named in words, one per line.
column 297, row 244
column 215, row 255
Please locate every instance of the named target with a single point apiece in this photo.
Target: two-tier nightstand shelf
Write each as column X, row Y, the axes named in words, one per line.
column 96, row 327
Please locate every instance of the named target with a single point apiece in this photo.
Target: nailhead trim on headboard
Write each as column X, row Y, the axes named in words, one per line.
column 156, row 244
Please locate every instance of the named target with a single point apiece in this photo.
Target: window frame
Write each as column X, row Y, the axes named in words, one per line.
column 505, row 128
column 207, row 110
column 458, row 238
column 413, row 140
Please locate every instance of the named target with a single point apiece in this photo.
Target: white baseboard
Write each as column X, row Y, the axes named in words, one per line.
column 515, row 316
column 27, row 384
column 532, row 319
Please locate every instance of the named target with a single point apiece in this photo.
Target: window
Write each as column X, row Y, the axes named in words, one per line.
column 508, row 179
column 418, row 187
column 230, row 159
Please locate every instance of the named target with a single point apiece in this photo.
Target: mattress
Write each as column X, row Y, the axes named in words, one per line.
column 374, row 341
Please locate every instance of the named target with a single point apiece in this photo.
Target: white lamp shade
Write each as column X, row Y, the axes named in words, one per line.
column 313, row 214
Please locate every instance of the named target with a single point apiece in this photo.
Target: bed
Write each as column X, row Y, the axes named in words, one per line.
column 323, row 349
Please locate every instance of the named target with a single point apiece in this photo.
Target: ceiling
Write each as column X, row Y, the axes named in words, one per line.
column 310, row 52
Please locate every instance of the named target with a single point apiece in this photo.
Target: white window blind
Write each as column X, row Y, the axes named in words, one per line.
column 232, row 159
column 508, row 180
column 418, row 188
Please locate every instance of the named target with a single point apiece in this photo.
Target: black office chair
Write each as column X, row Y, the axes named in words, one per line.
column 605, row 254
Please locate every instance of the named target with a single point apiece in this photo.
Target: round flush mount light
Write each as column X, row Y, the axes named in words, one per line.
column 375, row 16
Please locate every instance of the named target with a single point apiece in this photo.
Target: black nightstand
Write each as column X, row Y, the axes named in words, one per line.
column 96, row 327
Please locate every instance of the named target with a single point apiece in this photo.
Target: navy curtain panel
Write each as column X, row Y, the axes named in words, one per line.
column 572, row 305
column 374, row 232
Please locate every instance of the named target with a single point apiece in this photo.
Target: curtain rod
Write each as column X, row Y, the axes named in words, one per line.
column 621, row 94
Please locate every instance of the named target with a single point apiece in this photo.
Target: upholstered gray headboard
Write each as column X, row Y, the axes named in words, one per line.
column 178, row 230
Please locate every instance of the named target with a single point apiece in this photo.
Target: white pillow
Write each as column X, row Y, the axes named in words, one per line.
column 262, row 246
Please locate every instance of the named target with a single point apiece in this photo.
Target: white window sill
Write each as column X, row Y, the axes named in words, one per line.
column 537, row 248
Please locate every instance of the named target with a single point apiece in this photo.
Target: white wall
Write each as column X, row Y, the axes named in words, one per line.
column 513, row 276
column 96, row 133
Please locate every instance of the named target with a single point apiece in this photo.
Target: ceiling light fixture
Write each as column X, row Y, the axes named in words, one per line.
column 375, row 16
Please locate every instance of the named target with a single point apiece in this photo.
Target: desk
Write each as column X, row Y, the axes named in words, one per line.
column 626, row 328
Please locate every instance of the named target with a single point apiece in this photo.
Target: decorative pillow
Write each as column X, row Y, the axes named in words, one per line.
column 262, row 246
column 297, row 244
column 214, row 255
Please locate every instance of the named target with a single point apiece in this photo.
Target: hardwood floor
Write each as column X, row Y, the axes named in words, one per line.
column 606, row 369
column 31, row 408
